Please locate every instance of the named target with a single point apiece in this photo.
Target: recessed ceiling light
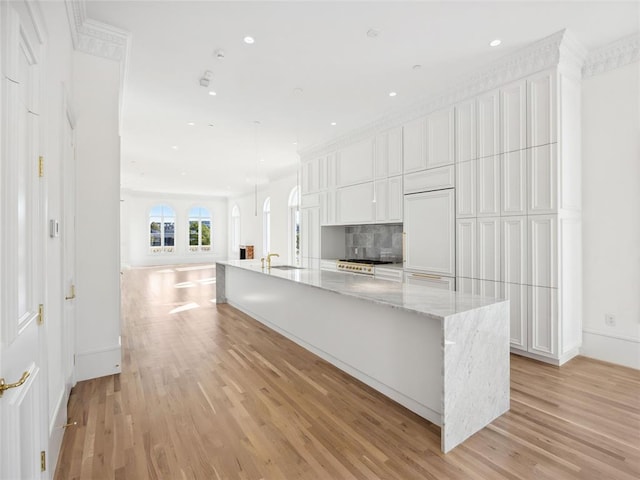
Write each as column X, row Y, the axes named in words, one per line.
column 212, row 93
column 183, row 173
column 262, row 160
column 333, row 124
column 191, row 124
column 417, row 67
column 495, row 43
column 392, row 94
column 295, row 143
column 175, row 147
column 249, row 40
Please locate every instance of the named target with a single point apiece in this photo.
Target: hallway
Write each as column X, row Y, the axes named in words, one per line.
column 208, row 393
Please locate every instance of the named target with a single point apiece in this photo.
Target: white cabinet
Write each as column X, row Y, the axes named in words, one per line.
column 514, row 183
column 310, row 232
column 541, row 109
column 310, row 176
column 429, row 222
column 388, row 205
column 515, row 251
column 466, row 131
column 517, row 296
column 429, row 142
column 387, row 273
column 427, row 180
column 354, row 163
column 542, row 177
column 440, row 138
column 466, row 189
column 388, row 153
column 543, row 321
column 355, row 204
column 543, row 250
column 430, row 281
column 488, row 252
column 414, row 135
column 328, row 207
column 466, row 248
column 513, row 116
column 488, row 124
column 488, row 186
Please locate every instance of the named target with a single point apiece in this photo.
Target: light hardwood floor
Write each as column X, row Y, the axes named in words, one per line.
column 209, row 393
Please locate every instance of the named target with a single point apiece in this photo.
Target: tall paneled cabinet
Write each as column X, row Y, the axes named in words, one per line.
column 488, row 188
column 518, row 215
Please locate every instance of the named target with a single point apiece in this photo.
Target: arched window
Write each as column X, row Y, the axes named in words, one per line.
column 162, row 229
column 235, row 229
column 294, row 226
column 200, row 230
column 266, row 226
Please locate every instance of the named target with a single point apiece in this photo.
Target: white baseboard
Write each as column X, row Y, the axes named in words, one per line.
column 613, row 349
column 98, row 363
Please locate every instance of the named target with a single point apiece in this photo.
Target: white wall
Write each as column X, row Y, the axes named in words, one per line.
column 251, row 225
column 611, row 214
column 96, row 94
column 135, row 207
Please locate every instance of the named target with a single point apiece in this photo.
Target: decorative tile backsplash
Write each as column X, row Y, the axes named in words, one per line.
column 374, row 242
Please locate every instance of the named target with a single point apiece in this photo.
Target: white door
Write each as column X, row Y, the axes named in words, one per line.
column 68, row 253
column 22, row 409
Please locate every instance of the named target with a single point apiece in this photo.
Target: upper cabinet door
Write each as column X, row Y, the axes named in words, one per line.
column 440, row 138
column 311, row 176
column 466, row 131
column 355, row 204
column 394, row 144
column 541, row 109
column 388, row 153
column 414, row 135
column 543, row 180
column 488, row 186
column 488, row 124
column 354, row 163
column 513, row 115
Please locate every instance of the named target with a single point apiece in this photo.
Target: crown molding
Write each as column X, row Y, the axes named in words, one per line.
column 96, row 38
column 614, row 55
column 541, row 55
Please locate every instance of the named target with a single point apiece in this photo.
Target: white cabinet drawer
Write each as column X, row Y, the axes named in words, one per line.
column 431, row 281
column 434, row 179
column 386, row 273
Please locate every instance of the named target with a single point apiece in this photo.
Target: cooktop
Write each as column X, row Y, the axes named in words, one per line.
column 364, row 260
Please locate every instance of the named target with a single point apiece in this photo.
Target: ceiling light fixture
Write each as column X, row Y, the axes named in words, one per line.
column 175, row 147
column 249, row 40
column 392, row 94
column 212, row 93
column 333, row 124
column 206, row 78
column 191, row 124
column 373, row 32
column 495, row 43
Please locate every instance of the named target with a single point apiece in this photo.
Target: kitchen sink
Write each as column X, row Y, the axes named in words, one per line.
column 286, row 267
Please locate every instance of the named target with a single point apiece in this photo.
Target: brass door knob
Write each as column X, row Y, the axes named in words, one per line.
column 6, row 386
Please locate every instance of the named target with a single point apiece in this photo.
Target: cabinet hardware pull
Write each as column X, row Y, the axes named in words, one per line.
column 425, row 275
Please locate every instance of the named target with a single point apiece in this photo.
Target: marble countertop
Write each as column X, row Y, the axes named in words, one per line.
column 432, row 302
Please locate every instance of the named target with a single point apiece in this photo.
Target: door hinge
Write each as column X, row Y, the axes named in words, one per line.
column 41, row 166
column 40, row 314
column 43, row 461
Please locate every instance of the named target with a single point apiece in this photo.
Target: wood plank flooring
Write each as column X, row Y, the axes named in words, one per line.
column 209, row 393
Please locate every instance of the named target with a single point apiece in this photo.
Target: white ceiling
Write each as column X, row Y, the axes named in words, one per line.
column 319, row 47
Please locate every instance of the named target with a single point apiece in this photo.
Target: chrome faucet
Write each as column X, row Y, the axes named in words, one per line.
column 269, row 259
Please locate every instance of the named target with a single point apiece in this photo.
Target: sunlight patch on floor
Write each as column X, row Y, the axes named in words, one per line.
column 184, row 308
column 198, row 267
column 185, row 285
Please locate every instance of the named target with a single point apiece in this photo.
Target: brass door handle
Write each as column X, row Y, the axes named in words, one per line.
column 426, row 275
column 70, row 424
column 73, row 293
column 6, row 386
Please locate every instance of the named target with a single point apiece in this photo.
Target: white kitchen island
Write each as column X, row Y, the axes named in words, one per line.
column 441, row 354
